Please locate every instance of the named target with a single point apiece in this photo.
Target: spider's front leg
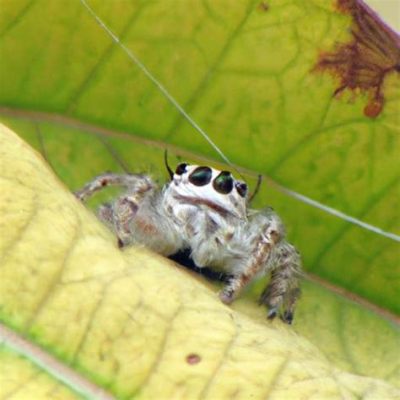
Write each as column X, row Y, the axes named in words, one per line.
column 131, row 182
column 120, row 214
column 268, row 251
column 265, row 242
column 283, row 288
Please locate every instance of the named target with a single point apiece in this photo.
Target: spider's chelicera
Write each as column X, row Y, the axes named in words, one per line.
column 205, row 211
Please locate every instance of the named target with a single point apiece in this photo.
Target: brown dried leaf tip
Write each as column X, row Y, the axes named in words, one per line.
column 363, row 63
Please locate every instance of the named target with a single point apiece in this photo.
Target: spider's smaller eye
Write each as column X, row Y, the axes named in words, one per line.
column 201, row 176
column 181, row 169
column 223, row 183
column 241, row 188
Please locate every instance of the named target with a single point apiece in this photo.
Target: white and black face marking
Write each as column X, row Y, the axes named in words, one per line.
column 216, row 189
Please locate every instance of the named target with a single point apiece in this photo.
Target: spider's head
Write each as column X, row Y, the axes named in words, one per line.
column 210, row 187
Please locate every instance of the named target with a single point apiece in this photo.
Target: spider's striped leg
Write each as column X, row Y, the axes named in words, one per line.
column 130, row 182
column 124, row 211
column 120, row 214
column 105, row 213
column 283, row 288
column 256, row 263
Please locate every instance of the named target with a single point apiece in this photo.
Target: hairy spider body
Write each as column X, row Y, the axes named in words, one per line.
column 205, row 210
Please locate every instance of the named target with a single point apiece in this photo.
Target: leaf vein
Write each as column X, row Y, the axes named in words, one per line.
column 17, row 18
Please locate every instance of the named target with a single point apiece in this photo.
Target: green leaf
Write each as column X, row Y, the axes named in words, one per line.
column 244, row 72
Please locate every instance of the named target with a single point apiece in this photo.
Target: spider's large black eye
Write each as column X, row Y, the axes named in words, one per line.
column 181, row 169
column 200, row 176
column 241, row 188
column 223, row 183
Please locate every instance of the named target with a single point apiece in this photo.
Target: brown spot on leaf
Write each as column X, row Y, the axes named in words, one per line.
column 193, row 359
column 263, row 6
column 362, row 64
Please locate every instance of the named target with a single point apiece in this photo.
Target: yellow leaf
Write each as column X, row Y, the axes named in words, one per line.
column 132, row 321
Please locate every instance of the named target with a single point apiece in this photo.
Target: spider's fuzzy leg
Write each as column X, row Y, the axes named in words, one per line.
column 283, row 288
column 291, row 300
column 106, row 214
column 124, row 211
column 256, row 263
column 120, row 214
column 130, row 182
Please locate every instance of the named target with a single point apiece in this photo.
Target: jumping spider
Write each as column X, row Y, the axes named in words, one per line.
column 206, row 211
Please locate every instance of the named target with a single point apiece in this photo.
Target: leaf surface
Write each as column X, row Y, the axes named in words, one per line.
column 131, row 321
column 244, row 72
